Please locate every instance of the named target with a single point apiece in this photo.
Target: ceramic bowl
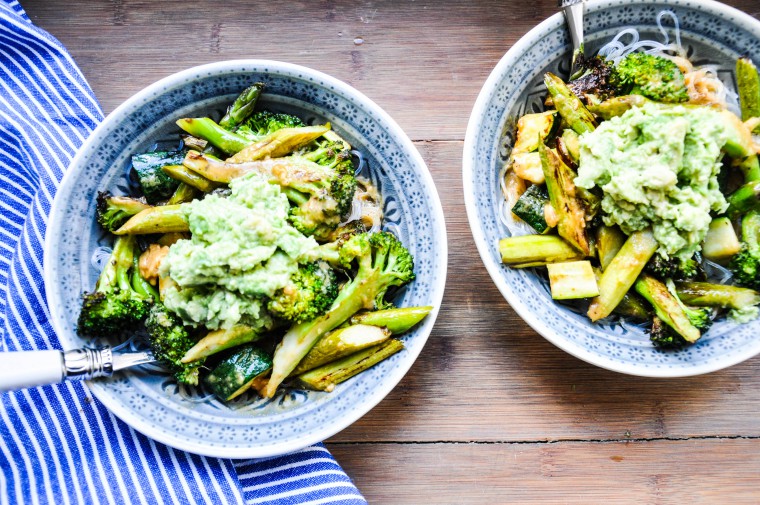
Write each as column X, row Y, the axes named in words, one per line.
column 712, row 33
column 147, row 398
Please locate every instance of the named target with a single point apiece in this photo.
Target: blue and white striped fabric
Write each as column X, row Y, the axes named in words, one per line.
column 58, row 445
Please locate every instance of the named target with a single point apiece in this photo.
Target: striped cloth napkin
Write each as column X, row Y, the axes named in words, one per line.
column 58, row 445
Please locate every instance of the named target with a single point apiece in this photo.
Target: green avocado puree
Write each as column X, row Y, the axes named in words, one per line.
column 242, row 249
column 658, row 166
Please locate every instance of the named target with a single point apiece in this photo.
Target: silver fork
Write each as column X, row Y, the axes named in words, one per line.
column 574, row 10
column 25, row 369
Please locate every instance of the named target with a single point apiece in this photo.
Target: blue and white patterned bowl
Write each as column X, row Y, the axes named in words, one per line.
column 713, row 33
column 147, row 398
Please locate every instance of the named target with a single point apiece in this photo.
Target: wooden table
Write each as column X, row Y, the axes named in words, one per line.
column 491, row 412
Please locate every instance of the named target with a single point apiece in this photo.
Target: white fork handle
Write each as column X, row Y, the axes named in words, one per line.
column 26, row 369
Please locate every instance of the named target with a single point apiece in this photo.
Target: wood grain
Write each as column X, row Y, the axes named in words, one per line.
column 491, row 412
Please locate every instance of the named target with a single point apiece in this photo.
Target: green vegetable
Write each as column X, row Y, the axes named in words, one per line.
column 242, row 108
column 219, row 340
column 155, row 183
column 183, row 174
column 675, row 268
column 632, row 306
column 721, row 241
column 533, row 129
column 530, row 208
column 572, row 280
column 160, row 219
column 341, row 343
column 382, row 263
column 235, row 375
column 705, row 294
column 622, row 272
column 184, row 193
column 609, row 240
column 664, row 337
column 279, row 143
column 617, row 106
column 569, row 147
column 115, row 306
column 221, row 138
column 667, row 307
column 310, row 291
column 398, row 320
column 562, row 193
column 170, row 341
column 568, row 105
column 326, row 377
column 746, row 264
column 748, row 86
column 262, row 123
column 536, row 250
column 114, row 211
column 653, row 76
column 744, row 199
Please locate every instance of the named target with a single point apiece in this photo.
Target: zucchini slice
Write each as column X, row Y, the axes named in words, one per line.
column 721, row 241
column 156, row 184
column 233, row 376
column 530, row 208
column 572, row 280
column 528, row 166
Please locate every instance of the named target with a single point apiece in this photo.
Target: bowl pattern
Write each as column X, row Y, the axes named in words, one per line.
column 146, row 397
column 712, row 33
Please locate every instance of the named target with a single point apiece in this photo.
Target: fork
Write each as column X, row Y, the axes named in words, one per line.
column 574, row 10
column 25, row 369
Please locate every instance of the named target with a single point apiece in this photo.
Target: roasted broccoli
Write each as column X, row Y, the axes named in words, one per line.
column 311, row 291
column 663, row 337
column 745, row 265
column 382, row 262
column 262, row 123
column 596, row 81
column 114, row 211
column 115, row 306
column 675, row 268
column 685, row 321
column 652, row 76
column 169, row 341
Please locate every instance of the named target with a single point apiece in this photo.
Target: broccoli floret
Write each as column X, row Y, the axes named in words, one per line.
column 597, row 79
column 114, row 211
column 699, row 317
column 652, row 76
column 310, row 292
column 169, row 341
column 663, row 337
column 115, row 306
column 381, row 262
column 675, row 268
column 262, row 123
column 745, row 265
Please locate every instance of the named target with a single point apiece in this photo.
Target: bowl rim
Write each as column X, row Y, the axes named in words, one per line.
column 327, row 429
column 484, row 249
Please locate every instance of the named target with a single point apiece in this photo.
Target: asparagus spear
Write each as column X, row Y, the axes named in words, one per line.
column 341, row 343
column 618, row 106
column 183, row 193
column 568, row 105
column 280, row 143
column 326, row 377
column 748, row 84
column 705, row 294
column 219, row 340
column 398, row 320
column 536, row 250
column 562, row 193
column 162, row 219
column 667, row 307
column 189, row 177
column 622, row 272
column 743, row 199
column 208, row 130
column 242, row 107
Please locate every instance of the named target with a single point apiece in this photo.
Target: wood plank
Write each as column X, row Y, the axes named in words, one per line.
column 666, row 472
